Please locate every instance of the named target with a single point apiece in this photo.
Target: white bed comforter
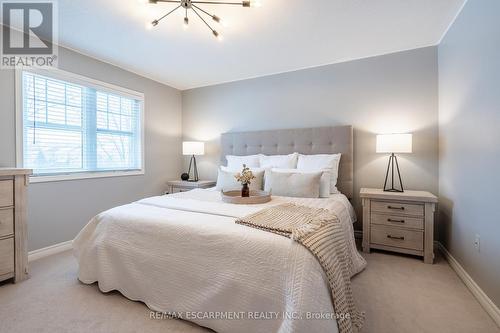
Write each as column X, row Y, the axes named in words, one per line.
column 184, row 254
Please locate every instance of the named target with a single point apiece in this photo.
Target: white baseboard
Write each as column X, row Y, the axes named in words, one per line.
column 49, row 250
column 480, row 295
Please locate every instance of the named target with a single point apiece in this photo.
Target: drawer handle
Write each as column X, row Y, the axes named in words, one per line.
column 398, row 208
column 395, row 221
column 394, row 237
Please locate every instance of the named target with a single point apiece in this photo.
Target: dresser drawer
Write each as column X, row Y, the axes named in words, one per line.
column 6, row 193
column 6, row 222
column 6, row 256
column 397, row 208
column 398, row 220
column 397, row 237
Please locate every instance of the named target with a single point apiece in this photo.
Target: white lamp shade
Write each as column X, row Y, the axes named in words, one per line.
column 193, row 148
column 394, row 143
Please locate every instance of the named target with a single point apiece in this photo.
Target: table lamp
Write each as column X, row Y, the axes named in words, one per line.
column 392, row 144
column 192, row 148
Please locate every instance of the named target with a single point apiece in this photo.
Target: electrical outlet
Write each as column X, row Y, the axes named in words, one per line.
column 477, row 243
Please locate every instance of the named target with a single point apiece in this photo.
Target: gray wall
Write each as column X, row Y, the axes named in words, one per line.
column 57, row 211
column 391, row 93
column 469, row 119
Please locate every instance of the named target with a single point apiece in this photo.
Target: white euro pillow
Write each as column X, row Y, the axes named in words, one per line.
column 279, row 161
column 293, row 184
column 324, row 183
column 236, row 162
column 326, row 162
column 227, row 182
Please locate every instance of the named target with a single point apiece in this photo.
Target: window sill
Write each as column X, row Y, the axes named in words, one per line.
column 84, row 175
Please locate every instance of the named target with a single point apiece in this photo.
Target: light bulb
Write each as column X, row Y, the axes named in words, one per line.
column 151, row 25
column 220, row 21
column 217, row 35
column 252, row 3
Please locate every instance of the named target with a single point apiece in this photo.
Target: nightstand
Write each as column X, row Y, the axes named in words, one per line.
column 183, row 186
column 399, row 222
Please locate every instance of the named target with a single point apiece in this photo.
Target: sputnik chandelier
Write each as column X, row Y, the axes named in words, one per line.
column 195, row 6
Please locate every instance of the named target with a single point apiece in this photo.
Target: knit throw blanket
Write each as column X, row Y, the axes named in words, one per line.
column 320, row 232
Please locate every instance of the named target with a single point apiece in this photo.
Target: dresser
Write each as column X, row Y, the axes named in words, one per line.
column 13, row 230
column 183, row 186
column 399, row 222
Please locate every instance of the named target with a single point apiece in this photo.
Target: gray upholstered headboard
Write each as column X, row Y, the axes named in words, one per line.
column 307, row 141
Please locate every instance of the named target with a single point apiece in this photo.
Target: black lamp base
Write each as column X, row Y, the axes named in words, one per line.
column 393, row 160
column 192, row 163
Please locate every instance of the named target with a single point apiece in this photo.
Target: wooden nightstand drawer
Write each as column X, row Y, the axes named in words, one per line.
column 13, row 228
column 6, row 222
column 175, row 186
column 6, row 256
column 397, row 237
column 398, row 221
column 6, row 193
column 394, row 207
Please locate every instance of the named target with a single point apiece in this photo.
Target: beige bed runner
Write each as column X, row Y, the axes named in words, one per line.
column 320, row 232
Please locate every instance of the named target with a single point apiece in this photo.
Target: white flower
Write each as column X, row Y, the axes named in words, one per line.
column 245, row 176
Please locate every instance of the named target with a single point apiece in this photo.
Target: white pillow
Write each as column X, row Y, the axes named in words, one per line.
column 227, row 182
column 324, row 183
column 279, row 161
column 236, row 162
column 326, row 162
column 236, row 170
column 293, row 184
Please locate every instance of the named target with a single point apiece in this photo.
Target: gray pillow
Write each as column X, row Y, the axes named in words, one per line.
column 293, row 184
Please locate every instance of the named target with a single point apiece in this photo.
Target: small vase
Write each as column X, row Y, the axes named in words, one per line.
column 245, row 191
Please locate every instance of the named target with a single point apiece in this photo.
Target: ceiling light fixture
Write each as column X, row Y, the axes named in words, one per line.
column 194, row 5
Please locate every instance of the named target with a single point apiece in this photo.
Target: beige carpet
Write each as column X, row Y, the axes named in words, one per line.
column 398, row 293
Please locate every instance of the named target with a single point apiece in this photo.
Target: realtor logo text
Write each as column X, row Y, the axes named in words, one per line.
column 29, row 34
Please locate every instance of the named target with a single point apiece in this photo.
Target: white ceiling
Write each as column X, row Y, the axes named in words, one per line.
column 280, row 36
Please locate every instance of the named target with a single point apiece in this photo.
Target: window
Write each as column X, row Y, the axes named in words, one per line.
column 73, row 127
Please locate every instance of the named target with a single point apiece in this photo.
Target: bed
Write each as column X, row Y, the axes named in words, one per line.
column 184, row 256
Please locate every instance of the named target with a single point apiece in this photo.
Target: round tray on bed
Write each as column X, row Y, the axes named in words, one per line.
column 256, row 197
